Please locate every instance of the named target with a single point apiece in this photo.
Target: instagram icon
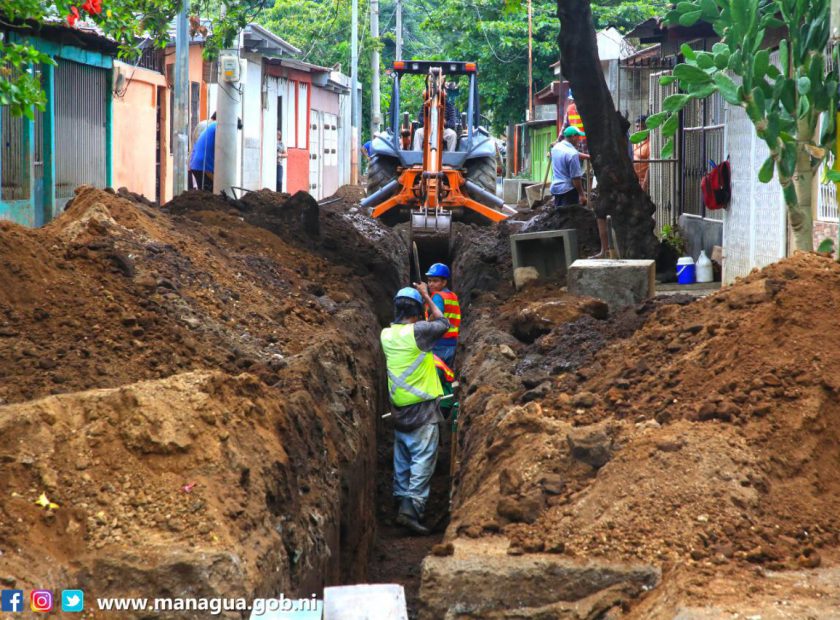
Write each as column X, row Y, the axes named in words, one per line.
column 41, row 600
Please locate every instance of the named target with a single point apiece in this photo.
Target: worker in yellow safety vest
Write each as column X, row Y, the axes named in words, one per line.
column 415, row 390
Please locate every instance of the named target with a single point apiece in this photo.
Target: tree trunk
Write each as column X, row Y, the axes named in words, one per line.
column 800, row 214
column 618, row 187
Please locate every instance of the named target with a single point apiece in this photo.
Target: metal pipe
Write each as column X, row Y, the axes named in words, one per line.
column 470, row 112
column 395, row 111
column 381, row 194
column 180, row 115
column 375, row 112
column 492, row 199
column 355, row 110
column 398, row 53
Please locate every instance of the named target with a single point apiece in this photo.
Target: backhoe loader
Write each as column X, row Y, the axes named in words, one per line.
column 429, row 187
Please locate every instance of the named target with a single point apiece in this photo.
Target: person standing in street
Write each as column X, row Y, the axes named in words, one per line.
column 281, row 160
column 567, row 176
column 202, row 160
column 414, row 389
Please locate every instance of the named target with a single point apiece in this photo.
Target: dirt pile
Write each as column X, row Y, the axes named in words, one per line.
column 234, row 357
column 698, row 438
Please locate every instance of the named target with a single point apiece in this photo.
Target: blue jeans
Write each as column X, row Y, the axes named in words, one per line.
column 415, row 456
column 445, row 352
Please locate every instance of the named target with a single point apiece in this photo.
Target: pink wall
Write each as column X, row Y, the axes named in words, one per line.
column 324, row 100
column 196, row 70
column 135, row 130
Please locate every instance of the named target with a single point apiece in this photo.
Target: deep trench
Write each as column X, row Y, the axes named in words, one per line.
column 398, row 555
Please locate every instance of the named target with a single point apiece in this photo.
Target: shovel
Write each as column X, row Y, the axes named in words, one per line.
column 545, row 178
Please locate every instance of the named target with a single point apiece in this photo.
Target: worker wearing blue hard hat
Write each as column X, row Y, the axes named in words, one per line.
column 414, row 389
column 447, row 301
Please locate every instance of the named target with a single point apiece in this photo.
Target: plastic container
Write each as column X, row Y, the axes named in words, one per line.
column 704, row 268
column 685, row 270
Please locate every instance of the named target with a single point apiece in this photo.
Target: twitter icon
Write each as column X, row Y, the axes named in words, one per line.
column 72, row 600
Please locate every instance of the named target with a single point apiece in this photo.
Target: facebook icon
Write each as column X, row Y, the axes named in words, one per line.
column 11, row 600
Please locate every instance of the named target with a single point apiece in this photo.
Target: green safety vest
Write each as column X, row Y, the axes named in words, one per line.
column 412, row 376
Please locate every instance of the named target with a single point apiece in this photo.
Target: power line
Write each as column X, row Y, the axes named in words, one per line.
column 486, row 38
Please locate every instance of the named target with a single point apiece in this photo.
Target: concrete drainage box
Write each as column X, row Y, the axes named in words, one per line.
column 550, row 252
column 619, row 283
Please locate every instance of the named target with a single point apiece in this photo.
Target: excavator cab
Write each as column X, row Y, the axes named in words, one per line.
column 431, row 186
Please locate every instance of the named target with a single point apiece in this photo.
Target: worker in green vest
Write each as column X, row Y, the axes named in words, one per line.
column 415, row 390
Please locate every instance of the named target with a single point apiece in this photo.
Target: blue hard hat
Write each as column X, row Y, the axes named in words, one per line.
column 409, row 292
column 438, row 270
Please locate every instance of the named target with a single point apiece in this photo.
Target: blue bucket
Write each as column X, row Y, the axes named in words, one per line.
column 685, row 270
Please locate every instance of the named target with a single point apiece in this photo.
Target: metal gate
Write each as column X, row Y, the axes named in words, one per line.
column 80, row 128
column 702, row 144
column 664, row 180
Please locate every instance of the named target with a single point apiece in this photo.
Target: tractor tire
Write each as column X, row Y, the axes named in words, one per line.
column 381, row 170
column 482, row 172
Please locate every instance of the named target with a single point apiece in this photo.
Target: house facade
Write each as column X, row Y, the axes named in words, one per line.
column 68, row 144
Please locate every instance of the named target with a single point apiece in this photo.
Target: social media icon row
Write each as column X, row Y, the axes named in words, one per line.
column 42, row 600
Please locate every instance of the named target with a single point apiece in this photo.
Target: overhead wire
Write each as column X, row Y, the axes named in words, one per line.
column 486, row 38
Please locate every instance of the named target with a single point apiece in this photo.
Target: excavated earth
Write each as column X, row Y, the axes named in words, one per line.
column 677, row 459
column 195, row 390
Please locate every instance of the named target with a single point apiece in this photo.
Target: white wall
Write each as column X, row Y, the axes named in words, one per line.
column 344, row 139
column 755, row 224
column 251, row 147
column 269, row 123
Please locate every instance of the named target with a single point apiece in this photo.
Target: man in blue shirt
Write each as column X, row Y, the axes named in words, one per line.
column 202, row 159
column 566, row 173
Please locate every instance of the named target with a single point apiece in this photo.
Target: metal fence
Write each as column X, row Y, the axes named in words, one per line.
column 827, row 197
column 80, row 117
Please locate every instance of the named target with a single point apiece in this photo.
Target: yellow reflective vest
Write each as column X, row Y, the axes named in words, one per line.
column 412, row 377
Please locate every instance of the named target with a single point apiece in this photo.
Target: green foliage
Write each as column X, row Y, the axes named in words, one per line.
column 787, row 104
column 672, row 236
column 826, row 246
column 126, row 21
column 19, row 87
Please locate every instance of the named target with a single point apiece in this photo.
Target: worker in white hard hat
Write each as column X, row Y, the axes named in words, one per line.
column 414, row 389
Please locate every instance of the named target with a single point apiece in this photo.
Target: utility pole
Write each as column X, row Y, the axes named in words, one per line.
column 181, row 115
column 228, row 107
column 530, row 64
column 355, row 110
column 398, row 52
column 374, row 67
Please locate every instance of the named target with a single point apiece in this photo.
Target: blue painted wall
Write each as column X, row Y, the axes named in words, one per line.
column 40, row 205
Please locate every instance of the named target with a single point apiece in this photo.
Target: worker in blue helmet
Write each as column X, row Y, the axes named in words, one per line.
column 447, row 301
column 414, row 391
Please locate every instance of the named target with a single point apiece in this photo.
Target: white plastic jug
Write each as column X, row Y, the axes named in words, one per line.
column 704, row 268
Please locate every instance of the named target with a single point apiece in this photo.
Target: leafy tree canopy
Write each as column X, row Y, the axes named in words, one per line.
column 126, row 21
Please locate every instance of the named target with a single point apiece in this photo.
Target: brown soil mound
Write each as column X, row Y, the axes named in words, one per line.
column 740, row 385
column 696, row 435
column 167, row 308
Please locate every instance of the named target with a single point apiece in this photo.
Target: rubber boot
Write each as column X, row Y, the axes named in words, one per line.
column 407, row 517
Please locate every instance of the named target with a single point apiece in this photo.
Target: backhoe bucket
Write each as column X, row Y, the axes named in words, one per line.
column 430, row 231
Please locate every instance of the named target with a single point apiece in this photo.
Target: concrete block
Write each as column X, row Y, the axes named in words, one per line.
column 380, row 601
column 700, row 233
column 513, row 190
column 533, row 192
column 619, row 283
column 523, row 275
column 550, row 252
column 481, row 581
